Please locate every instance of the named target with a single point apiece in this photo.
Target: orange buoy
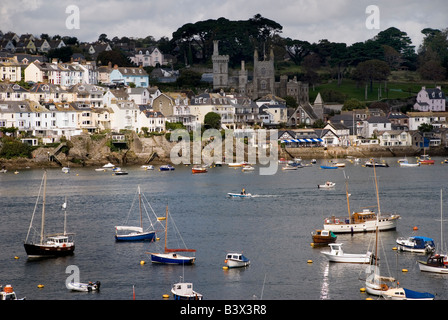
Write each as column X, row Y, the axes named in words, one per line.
column 415, row 228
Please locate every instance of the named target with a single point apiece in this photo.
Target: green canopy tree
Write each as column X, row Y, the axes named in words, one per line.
column 212, row 120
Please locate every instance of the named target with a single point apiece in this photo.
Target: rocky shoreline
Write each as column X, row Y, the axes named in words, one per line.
column 86, row 151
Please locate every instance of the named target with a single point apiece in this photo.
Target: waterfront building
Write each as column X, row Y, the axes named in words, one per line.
column 430, row 100
column 128, row 75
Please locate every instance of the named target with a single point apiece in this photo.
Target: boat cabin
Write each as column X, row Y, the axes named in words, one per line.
column 58, row 240
column 438, row 261
column 7, row 293
column 365, row 215
column 238, row 257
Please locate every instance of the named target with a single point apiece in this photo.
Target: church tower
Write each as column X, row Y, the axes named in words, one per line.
column 220, row 68
column 264, row 76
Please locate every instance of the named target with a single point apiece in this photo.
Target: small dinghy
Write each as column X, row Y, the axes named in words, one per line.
column 236, row 260
column 84, row 287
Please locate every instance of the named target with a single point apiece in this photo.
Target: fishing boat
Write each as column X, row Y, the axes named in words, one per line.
column 199, row 169
column 59, row 244
column 375, row 282
column 336, row 254
column 406, row 294
column 326, row 185
column 321, row 237
column 166, row 167
column 236, row 260
column 84, row 287
column 437, row 263
column 7, row 293
column 416, row 244
column 136, row 233
column 360, row 221
column 171, row 256
column 184, row 291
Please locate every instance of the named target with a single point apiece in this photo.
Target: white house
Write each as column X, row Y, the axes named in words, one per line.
column 430, row 100
column 148, row 57
column 278, row 111
column 13, row 92
column 395, row 138
column 437, row 119
column 139, row 95
column 124, row 115
column 341, row 132
column 47, row 92
column 89, row 94
column 373, row 124
column 10, row 69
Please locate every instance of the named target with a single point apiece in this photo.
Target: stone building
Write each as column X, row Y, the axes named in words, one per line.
column 263, row 78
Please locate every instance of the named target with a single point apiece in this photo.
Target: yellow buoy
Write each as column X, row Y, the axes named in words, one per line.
column 16, row 257
column 404, row 270
column 157, row 239
column 310, row 261
column 166, row 296
column 394, row 248
column 142, row 262
column 40, row 286
column 225, row 267
column 362, row 289
column 369, row 299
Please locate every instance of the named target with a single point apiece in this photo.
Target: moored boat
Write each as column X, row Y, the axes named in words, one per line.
column 184, row 291
column 48, row 245
column 83, row 287
column 239, row 195
column 372, row 163
column 406, row 294
column 166, row 167
column 236, row 260
column 321, row 237
column 336, row 254
column 416, row 244
column 7, row 293
column 425, row 159
column 199, row 169
column 329, row 167
column 147, row 167
column 247, row 168
column 326, row 185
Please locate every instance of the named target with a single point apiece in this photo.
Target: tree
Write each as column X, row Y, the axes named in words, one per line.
column 432, row 70
column 63, row 54
column 212, row 120
column 372, row 70
column 297, row 50
column 115, row 57
column 189, row 78
column 352, row 104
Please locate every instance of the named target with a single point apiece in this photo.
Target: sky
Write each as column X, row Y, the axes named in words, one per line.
column 347, row 21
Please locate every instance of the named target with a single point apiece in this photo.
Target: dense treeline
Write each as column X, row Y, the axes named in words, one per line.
column 390, row 49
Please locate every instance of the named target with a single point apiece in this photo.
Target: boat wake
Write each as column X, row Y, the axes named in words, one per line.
column 265, row 195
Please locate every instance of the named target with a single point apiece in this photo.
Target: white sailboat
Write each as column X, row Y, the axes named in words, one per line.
column 376, row 284
column 437, row 263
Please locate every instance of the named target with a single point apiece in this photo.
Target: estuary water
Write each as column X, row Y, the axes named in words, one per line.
column 273, row 229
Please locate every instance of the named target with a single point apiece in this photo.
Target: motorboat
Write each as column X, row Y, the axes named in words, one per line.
column 237, row 164
column 406, row 164
column 109, row 166
column 416, row 244
column 147, row 167
column 425, row 159
column 199, row 169
column 247, row 168
column 329, row 167
column 83, row 287
column 406, row 294
column 372, row 163
column 326, row 185
column 184, row 291
column 239, row 195
column 66, row 170
column 166, row 167
column 437, row 263
column 236, row 260
column 322, row 237
column 7, row 293
column 336, row 254
column 120, row 173
column 289, row 167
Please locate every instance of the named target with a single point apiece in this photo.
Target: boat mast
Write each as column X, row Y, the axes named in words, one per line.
column 378, row 215
column 64, row 206
column 140, row 205
column 346, row 192
column 166, row 225
column 441, row 223
column 43, row 210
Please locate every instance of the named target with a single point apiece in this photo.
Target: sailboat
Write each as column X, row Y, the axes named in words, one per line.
column 437, row 263
column 171, row 256
column 135, row 233
column 375, row 283
column 359, row 221
column 48, row 245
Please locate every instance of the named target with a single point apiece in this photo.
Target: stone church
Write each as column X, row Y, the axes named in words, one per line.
column 263, row 78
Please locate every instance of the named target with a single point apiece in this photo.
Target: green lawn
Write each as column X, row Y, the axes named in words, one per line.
column 395, row 90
